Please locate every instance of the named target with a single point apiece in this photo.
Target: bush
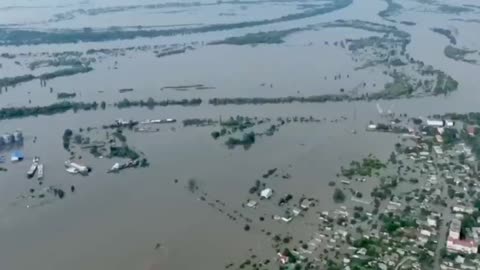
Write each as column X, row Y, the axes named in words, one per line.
column 215, row 134
column 67, row 135
column 338, row 196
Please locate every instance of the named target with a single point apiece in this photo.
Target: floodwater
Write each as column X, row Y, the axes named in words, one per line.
column 113, row 221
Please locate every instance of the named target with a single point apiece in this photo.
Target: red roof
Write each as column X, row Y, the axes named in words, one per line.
column 465, row 243
column 471, row 130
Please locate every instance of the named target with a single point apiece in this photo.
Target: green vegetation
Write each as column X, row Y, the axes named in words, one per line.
column 398, row 88
column 372, row 245
column 389, row 50
column 171, row 52
column 459, row 54
column 10, row 36
column 12, row 81
column 367, row 167
column 447, row 33
column 246, row 141
column 384, row 191
column 450, row 137
column 408, row 23
column 271, row 37
column 371, row 27
column 119, row 135
column 362, row 43
column 198, row 122
column 67, row 136
column 338, row 196
column 453, row 9
column 445, row 84
column 391, row 10
column 64, row 95
column 61, row 61
column 392, row 223
column 94, row 151
column 151, row 103
column 65, row 72
column 144, row 163
column 277, row 100
column 187, row 87
column 192, row 185
column 61, row 107
column 215, row 134
column 123, row 152
column 238, row 123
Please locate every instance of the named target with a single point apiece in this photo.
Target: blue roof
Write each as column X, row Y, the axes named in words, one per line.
column 18, row 154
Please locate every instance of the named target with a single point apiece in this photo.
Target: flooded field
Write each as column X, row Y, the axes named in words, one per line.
column 147, row 218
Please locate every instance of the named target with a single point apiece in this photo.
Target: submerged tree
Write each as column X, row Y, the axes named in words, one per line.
column 192, row 185
column 338, row 196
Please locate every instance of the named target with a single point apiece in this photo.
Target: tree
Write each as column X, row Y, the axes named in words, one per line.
column 192, row 185
column 338, row 196
column 67, row 135
column 77, row 138
column 461, row 158
column 477, row 204
column 215, row 134
column 393, row 158
column 451, row 192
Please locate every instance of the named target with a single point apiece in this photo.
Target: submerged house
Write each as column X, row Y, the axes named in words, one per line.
column 17, row 156
column 266, row 193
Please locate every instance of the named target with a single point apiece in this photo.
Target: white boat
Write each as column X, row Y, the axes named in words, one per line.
column 72, row 170
column 40, row 171
column 33, row 168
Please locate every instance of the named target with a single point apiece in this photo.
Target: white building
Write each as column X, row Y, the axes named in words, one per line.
column 296, row 211
column 463, row 209
column 457, row 245
column 438, row 150
column 8, row 138
column 449, row 123
column 431, row 222
column 435, row 123
column 425, row 233
column 462, row 246
column 266, row 193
